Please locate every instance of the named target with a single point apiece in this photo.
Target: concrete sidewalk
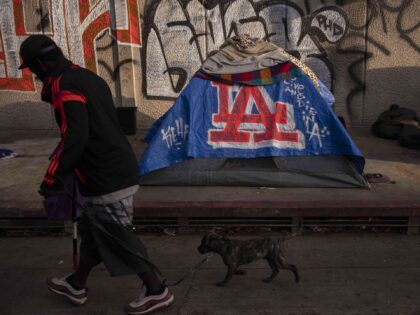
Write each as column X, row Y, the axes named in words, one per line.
column 20, row 178
column 188, row 206
column 342, row 274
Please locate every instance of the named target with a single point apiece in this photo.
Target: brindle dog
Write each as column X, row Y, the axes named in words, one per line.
column 236, row 252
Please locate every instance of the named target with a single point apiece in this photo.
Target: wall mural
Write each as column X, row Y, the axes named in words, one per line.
column 406, row 28
column 73, row 24
column 178, row 35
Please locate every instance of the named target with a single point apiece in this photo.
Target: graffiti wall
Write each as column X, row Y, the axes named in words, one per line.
column 366, row 51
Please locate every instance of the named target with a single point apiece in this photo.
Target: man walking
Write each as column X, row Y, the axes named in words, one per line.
column 93, row 147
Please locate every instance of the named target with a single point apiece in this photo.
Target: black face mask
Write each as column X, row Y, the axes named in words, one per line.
column 39, row 69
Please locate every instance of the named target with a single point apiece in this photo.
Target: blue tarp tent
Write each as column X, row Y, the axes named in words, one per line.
column 281, row 134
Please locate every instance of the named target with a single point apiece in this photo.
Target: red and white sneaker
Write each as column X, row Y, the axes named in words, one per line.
column 147, row 304
column 60, row 286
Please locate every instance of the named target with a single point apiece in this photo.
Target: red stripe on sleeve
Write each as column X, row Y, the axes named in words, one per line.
column 49, row 178
column 59, row 97
column 66, row 96
column 57, row 104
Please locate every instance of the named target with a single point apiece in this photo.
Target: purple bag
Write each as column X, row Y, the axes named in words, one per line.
column 60, row 206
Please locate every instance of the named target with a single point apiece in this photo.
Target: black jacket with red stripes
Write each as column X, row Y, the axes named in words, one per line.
column 93, row 145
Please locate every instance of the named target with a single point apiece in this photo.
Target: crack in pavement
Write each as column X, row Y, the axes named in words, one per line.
column 187, row 293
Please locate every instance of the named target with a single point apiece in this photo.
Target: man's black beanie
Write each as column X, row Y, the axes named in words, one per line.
column 38, row 46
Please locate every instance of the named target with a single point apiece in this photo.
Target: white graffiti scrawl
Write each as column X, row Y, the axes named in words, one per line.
column 309, row 113
column 175, row 136
column 180, row 34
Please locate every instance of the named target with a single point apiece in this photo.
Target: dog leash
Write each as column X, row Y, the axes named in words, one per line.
column 192, row 270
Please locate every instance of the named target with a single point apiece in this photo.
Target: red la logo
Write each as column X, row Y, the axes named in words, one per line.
column 273, row 125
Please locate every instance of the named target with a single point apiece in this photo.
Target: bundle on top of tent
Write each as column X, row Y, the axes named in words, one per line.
column 252, row 115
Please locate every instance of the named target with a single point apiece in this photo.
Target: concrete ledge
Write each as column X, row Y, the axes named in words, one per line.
column 20, row 178
column 241, row 208
column 272, row 208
